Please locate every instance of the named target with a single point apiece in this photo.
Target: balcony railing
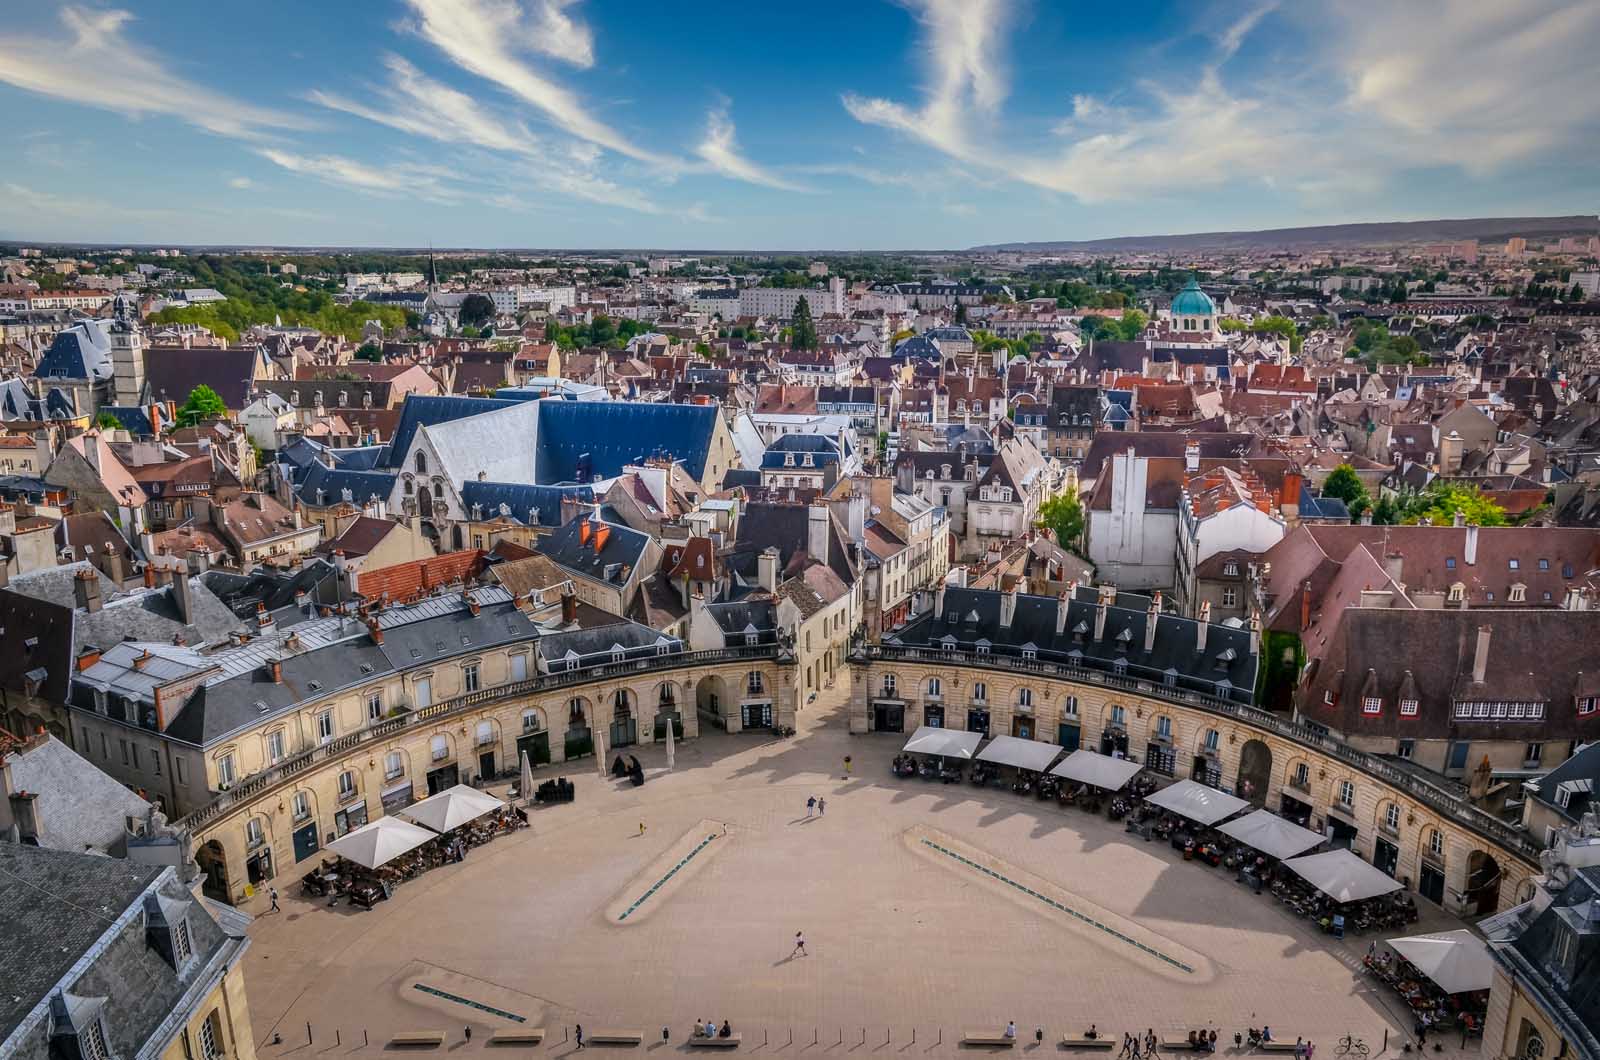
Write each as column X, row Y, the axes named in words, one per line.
column 1434, row 794
column 255, row 786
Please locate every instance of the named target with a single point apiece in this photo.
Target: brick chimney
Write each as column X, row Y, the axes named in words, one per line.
column 376, row 631
column 1202, row 627
column 275, row 670
column 86, row 590
column 569, row 608
column 1008, row 607
column 87, row 657
column 1305, row 606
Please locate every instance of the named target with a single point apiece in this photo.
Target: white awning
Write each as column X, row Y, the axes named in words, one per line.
column 1191, row 799
column 380, row 842
column 452, row 808
column 951, row 742
column 1271, row 835
column 1458, row 960
column 1102, row 771
column 1024, row 754
column 1343, row 876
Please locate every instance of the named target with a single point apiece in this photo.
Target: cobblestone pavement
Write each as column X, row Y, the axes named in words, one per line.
column 897, row 943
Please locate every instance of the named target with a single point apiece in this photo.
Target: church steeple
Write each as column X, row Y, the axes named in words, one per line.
column 433, row 271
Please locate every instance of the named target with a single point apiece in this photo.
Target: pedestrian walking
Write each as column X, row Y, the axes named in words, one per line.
column 811, row 806
column 1311, row 1050
column 1150, row 1042
column 1135, row 1047
column 1127, row 1045
column 847, row 767
column 468, row 1032
column 641, row 828
column 272, row 892
column 577, row 1032
column 799, row 944
column 822, row 806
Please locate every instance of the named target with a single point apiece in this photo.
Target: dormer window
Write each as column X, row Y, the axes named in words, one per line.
column 1519, row 593
column 1372, row 705
column 76, row 1027
column 788, row 460
column 166, row 928
column 1408, row 708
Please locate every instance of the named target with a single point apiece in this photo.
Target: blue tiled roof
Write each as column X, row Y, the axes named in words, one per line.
column 426, row 411
column 919, row 346
column 82, row 351
column 363, row 485
column 613, row 434
column 134, row 418
column 1322, row 507
column 520, row 498
column 361, row 458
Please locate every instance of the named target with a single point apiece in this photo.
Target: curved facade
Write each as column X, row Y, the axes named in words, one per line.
column 1421, row 830
column 275, row 821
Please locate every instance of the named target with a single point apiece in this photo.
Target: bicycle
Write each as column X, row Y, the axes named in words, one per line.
column 1350, row 1045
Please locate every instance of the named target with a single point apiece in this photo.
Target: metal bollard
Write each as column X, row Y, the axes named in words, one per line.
column 308, row 1032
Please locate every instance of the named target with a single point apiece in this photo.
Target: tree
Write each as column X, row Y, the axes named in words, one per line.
column 1576, row 294
column 1344, row 485
column 107, row 422
column 803, row 330
column 369, row 351
column 476, row 311
column 1062, row 515
column 961, row 310
column 203, row 404
column 1440, row 502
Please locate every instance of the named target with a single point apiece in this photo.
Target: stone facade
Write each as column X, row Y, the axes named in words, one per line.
column 1245, row 751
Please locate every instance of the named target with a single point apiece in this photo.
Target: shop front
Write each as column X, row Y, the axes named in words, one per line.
column 756, row 715
column 1114, row 742
column 1430, row 881
column 1296, row 806
column 536, row 745
column 933, row 715
column 258, row 866
column 305, row 841
column 888, row 715
column 1385, row 855
column 442, row 778
column 978, row 721
column 397, row 796
column 350, row 819
column 1069, row 735
column 1342, row 830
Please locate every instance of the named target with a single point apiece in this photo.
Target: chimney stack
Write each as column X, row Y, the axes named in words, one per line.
column 376, row 631
column 1471, row 550
column 182, row 594
column 86, row 590
column 1255, row 632
column 1008, row 607
column 1191, row 456
column 569, row 608
column 817, row 532
column 264, row 622
column 938, row 602
column 275, row 669
column 767, row 569
column 1480, row 656
column 1107, row 594
column 87, row 657
column 1202, row 627
column 1150, row 622
column 1062, row 600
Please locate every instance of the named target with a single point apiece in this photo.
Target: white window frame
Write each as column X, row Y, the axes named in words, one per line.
column 1347, row 793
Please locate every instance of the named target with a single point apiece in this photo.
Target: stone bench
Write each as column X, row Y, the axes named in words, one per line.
column 730, row 1042
column 988, row 1038
column 517, row 1036
column 418, row 1039
column 1279, row 1047
column 1078, row 1041
column 613, row 1037
column 1179, row 1045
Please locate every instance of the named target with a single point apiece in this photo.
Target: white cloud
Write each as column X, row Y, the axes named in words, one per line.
column 241, row 183
column 960, row 209
column 347, row 172
column 868, row 174
column 97, row 65
column 489, row 39
column 422, row 106
column 560, row 36
column 720, row 150
column 1417, row 84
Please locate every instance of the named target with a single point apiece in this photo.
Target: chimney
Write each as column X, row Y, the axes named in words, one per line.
column 376, row 631
column 1471, row 550
column 1062, row 600
column 149, row 575
column 1574, row 600
column 584, row 529
column 1255, row 632
column 1305, row 606
column 1191, row 456
column 938, row 602
column 569, row 608
column 182, row 595
column 1150, row 623
column 86, row 590
column 1008, row 607
column 1202, row 627
column 1480, row 657
column 87, row 657
column 275, row 669
column 472, row 605
column 1460, row 519
column 1450, row 451
column 767, row 569
column 1394, row 566
column 264, row 622
column 1107, row 593
column 1289, row 500
column 817, row 532
column 602, row 534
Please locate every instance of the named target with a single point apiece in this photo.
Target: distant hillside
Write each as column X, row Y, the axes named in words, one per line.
column 1489, row 229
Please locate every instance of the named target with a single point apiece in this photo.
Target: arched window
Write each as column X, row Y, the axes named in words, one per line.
column 1435, row 843
column 439, row 747
column 754, row 683
column 575, row 711
column 438, row 489
column 1025, row 697
column 934, row 687
column 1213, row 740
column 422, row 462
column 532, row 721
column 668, row 697
column 980, row 691
column 1069, row 707
column 889, row 682
column 410, row 489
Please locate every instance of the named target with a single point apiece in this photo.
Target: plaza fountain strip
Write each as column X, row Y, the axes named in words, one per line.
column 1113, row 932
column 649, row 889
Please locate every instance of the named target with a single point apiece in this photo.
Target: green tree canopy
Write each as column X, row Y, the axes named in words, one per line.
column 1343, row 483
column 107, row 422
column 476, row 311
column 203, row 404
column 1063, row 516
column 369, row 351
column 1440, row 502
column 802, row 329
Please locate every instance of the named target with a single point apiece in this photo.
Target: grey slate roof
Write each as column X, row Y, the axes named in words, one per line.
column 80, row 808
column 520, row 499
column 581, row 439
column 624, row 546
column 82, row 351
column 423, row 410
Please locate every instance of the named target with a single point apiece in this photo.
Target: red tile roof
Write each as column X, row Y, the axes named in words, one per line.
column 415, row 579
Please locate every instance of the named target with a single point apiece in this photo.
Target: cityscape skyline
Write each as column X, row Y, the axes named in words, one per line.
column 549, row 123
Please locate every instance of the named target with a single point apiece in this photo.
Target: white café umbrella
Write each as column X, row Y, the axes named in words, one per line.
column 380, row 842
column 525, row 782
column 671, row 746
column 1342, row 876
column 1196, row 801
column 1270, row 834
column 600, row 751
column 1101, row 771
column 451, row 808
column 1458, row 960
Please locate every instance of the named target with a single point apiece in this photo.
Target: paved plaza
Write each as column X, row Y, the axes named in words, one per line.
column 905, row 932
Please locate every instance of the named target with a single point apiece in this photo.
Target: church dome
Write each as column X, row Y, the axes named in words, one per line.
column 1192, row 301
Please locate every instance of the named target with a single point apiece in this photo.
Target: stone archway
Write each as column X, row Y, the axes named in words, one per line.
column 213, row 861
column 1255, row 772
column 1481, row 895
column 711, row 699
column 668, row 707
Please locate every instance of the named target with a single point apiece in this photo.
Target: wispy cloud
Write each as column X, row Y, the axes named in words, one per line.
column 98, row 65
column 491, row 39
column 719, row 149
column 559, row 35
column 416, row 104
column 868, row 174
column 241, row 183
column 417, row 181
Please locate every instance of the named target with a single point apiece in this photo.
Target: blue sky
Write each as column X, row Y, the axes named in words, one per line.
column 859, row 125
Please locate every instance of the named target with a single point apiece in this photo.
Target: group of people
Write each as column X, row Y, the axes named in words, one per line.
column 708, row 1029
column 1133, row 1045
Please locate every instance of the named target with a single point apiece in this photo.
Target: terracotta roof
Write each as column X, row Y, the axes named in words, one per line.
column 417, row 578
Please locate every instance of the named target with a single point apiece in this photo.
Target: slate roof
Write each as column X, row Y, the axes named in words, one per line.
column 738, row 618
column 82, row 351
column 520, row 498
column 596, row 645
column 497, row 443
column 172, row 371
column 36, row 633
column 419, row 411
column 613, row 434
column 362, row 486
column 54, row 908
column 623, row 546
column 1578, row 776
column 1575, row 910
column 80, row 808
column 240, row 593
column 1226, row 668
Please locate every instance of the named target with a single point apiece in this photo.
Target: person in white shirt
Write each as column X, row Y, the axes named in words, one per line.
column 1011, row 1029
